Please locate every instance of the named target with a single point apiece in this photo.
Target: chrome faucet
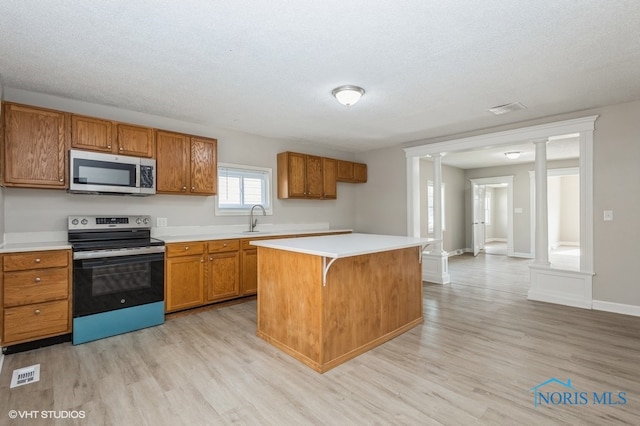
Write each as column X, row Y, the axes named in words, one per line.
column 253, row 222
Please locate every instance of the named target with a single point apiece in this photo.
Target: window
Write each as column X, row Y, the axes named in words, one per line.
column 241, row 187
column 430, row 206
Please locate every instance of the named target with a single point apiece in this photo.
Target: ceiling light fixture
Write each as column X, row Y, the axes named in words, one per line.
column 512, row 155
column 348, row 95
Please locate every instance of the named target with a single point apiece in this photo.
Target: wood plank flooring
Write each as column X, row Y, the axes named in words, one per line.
column 473, row 361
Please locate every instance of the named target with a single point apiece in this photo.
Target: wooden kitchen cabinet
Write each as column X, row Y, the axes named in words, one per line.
column 351, row 172
column 35, row 147
column 329, row 178
column 300, row 176
column 223, row 270
column 36, row 295
column 184, row 275
column 186, row 164
column 95, row 134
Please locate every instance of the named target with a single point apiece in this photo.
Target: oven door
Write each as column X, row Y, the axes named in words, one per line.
column 107, row 283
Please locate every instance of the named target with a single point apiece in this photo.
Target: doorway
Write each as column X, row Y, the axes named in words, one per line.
column 492, row 215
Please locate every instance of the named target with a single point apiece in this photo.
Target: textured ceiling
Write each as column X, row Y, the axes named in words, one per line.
column 430, row 68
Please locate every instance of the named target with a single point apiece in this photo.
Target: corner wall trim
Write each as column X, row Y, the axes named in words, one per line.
column 618, row 308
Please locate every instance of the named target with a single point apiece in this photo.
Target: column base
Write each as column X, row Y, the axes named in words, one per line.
column 435, row 267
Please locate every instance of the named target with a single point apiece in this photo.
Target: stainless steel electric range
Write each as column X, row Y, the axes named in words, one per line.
column 118, row 276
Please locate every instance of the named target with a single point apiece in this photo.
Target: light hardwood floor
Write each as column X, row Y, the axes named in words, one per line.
column 474, row 361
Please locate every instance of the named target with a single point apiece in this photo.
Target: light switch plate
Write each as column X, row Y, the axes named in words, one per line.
column 608, row 215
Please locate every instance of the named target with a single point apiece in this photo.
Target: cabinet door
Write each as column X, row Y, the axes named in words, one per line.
column 172, row 162
column 35, row 147
column 296, row 175
column 345, row 171
column 135, row 140
column 315, row 184
column 204, row 166
column 249, row 272
column 329, row 171
column 224, row 276
column 359, row 172
column 184, row 282
column 91, row 133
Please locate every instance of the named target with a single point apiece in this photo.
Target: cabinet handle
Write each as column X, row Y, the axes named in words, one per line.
column 184, row 188
column 61, row 179
column 37, row 260
column 38, row 279
column 224, row 245
column 211, row 258
column 201, row 260
column 193, row 188
column 109, row 146
column 186, row 248
column 37, row 312
column 121, row 149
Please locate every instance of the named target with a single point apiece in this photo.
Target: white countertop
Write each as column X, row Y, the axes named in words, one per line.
column 34, row 246
column 235, row 235
column 344, row 245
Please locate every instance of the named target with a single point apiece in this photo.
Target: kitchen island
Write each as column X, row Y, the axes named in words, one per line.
column 325, row 300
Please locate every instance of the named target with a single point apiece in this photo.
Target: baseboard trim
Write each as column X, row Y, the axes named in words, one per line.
column 618, row 308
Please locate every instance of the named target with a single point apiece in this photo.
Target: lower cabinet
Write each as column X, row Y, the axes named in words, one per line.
column 223, row 270
column 184, row 276
column 203, row 272
column 35, row 289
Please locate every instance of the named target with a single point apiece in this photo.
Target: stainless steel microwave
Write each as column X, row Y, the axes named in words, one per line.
column 96, row 173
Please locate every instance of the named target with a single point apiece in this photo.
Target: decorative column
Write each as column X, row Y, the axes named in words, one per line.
column 435, row 261
column 542, row 215
column 437, row 203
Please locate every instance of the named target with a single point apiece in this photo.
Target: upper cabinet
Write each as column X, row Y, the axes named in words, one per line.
column 349, row 171
column 34, row 147
column 300, row 176
column 329, row 178
column 106, row 136
column 186, row 164
column 309, row 176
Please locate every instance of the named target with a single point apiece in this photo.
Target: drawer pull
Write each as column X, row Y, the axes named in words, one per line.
column 224, row 245
column 37, row 260
column 211, row 258
column 37, row 279
column 37, row 312
column 186, row 248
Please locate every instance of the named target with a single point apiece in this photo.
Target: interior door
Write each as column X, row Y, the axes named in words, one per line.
column 478, row 194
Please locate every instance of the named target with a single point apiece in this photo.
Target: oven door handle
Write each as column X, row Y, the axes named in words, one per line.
column 99, row 254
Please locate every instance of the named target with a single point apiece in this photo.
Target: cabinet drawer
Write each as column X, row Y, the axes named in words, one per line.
column 185, row 249
column 36, row 321
column 36, row 259
column 38, row 285
column 220, row 246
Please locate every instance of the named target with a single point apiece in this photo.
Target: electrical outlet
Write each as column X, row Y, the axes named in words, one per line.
column 608, row 215
column 161, row 221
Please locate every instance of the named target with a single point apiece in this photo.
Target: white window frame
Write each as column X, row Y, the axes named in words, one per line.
column 430, row 207
column 245, row 211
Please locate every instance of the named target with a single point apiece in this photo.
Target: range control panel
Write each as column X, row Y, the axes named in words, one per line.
column 108, row 222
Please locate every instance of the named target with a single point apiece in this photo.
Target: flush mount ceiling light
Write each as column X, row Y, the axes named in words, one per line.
column 348, row 95
column 512, row 155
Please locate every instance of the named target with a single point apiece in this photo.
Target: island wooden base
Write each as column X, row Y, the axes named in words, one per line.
column 367, row 300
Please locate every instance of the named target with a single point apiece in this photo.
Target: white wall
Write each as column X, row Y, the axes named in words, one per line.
column 570, row 208
column 29, row 210
column 500, row 213
column 554, row 197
